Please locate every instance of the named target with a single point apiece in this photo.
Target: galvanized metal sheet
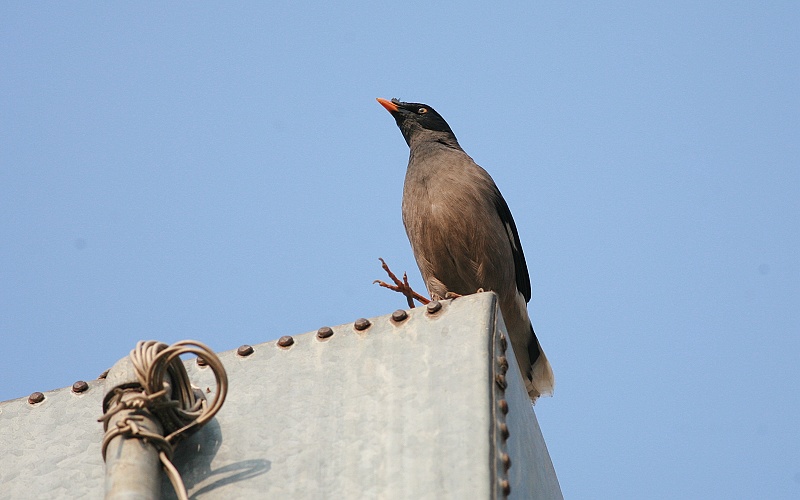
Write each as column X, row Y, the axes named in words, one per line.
column 52, row 449
column 401, row 409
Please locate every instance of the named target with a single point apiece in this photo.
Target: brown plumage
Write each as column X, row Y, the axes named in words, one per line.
column 462, row 232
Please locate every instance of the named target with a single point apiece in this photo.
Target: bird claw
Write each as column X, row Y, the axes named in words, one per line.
column 454, row 295
column 401, row 286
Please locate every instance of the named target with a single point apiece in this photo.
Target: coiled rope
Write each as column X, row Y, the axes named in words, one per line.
column 166, row 392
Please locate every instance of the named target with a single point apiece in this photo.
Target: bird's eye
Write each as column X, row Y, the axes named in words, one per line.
column 422, row 111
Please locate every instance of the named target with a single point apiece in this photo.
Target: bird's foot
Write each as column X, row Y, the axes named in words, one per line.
column 454, row 295
column 401, row 286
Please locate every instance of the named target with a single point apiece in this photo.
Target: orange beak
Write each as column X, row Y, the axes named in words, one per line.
column 389, row 105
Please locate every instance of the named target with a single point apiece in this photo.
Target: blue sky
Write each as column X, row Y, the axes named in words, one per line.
column 223, row 173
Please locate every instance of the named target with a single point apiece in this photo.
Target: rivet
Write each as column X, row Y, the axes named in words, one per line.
column 201, row 361
column 503, row 427
column 285, row 341
column 500, row 380
column 503, row 342
column 36, row 397
column 434, row 306
column 245, row 350
column 503, row 405
column 80, row 386
column 506, row 460
column 502, row 361
column 399, row 315
column 325, row 332
column 505, row 486
column 361, row 324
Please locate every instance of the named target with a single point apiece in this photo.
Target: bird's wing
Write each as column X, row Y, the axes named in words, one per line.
column 520, row 267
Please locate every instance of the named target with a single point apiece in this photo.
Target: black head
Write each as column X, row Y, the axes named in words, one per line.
column 414, row 118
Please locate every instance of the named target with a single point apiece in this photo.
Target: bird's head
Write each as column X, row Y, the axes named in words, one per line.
column 418, row 120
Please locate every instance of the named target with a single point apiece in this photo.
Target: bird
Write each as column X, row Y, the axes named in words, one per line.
column 462, row 234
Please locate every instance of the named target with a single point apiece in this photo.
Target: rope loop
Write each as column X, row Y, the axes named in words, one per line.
column 166, row 392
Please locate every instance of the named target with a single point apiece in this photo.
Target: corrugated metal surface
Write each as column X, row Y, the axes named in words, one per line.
column 402, row 409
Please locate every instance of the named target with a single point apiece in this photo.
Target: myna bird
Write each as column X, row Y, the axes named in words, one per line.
column 462, row 233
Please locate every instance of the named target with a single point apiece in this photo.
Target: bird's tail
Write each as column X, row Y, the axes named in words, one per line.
column 535, row 368
column 542, row 381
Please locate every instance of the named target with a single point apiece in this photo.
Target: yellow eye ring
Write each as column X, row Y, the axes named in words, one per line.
column 422, row 111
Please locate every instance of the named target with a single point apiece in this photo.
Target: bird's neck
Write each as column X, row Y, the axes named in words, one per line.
column 433, row 144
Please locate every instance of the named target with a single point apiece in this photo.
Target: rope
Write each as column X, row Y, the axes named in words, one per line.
column 178, row 408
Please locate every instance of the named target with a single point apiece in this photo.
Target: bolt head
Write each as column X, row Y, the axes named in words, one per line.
column 500, row 380
column 361, row 324
column 502, row 362
column 36, row 397
column 399, row 315
column 434, row 306
column 503, row 427
column 503, row 406
column 80, row 386
column 201, row 361
column 286, row 341
column 506, row 460
column 325, row 332
column 505, row 486
column 245, row 350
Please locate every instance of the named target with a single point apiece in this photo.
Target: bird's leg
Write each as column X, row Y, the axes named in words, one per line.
column 401, row 286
